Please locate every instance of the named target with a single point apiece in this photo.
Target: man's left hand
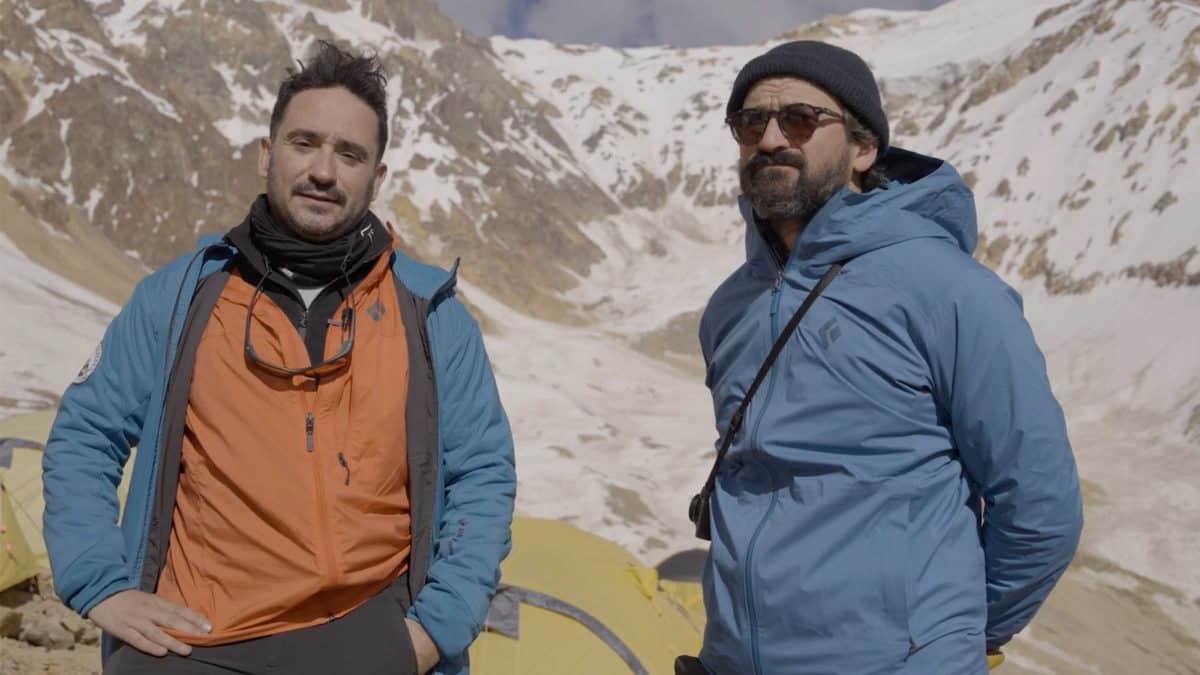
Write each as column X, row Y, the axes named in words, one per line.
column 426, row 650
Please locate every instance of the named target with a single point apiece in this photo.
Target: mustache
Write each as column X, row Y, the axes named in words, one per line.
column 761, row 160
column 330, row 193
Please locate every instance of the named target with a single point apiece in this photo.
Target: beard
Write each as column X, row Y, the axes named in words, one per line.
column 309, row 226
column 776, row 197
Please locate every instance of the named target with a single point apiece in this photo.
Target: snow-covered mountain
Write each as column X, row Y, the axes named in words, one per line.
column 590, row 193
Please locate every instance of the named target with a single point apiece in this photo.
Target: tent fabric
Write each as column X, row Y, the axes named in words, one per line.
column 557, row 560
column 22, row 551
column 21, row 444
column 679, row 577
column 17, row 562
column 22, row 439
column 689, row 596
column 507, row 601
column 8, row 447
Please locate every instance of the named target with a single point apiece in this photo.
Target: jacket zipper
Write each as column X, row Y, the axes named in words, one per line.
column 750, row 584
column 417, row 581
column 776, row 293
column 170, row 351
column 324, row 525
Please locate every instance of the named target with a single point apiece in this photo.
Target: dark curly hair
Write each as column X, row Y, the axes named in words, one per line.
column 331, row 66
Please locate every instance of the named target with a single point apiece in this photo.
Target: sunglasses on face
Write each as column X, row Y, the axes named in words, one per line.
column 325, row 367
column 797, row 121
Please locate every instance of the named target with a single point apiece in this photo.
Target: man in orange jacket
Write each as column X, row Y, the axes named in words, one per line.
column 325, row 478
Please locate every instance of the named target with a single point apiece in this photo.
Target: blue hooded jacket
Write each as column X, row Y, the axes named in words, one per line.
column 846, row 521
column 120, row 404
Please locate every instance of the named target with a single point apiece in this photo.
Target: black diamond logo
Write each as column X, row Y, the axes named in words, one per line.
column 376, row 310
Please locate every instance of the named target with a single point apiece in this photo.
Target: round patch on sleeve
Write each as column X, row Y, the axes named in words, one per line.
column 90, row 367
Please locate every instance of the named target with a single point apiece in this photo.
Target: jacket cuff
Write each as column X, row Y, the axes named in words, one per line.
column 445, row 617
column 994, row 643
column 84, row 603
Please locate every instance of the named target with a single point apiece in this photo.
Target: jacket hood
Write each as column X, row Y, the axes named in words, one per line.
column 923, row 198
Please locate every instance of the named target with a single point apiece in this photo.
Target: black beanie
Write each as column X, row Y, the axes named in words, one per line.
column 838, row 71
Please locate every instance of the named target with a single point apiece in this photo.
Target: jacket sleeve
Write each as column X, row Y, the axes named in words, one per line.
column 99, row 420
column 1012, row 439
column 474, row 532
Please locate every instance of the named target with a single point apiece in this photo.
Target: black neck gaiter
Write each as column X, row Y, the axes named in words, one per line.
column 310, row 263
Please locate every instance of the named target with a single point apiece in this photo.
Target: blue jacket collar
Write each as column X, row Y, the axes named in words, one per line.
column 924, row 198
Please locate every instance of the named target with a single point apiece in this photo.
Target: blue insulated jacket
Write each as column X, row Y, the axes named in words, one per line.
column 846, row 521
column 120, row 404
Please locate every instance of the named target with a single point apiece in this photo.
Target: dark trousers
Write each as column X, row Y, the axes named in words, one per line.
column 371, row 640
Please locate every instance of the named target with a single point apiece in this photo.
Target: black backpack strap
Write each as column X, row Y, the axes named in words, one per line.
column 699, row 506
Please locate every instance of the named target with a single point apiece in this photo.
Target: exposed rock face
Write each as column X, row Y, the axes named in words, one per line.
column 501, row 153
column 590, row 192
column 155, row 155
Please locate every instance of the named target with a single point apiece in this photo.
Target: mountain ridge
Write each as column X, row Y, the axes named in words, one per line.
column 590, row 192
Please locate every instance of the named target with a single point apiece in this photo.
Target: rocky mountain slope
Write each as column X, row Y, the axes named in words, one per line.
column 590, row 193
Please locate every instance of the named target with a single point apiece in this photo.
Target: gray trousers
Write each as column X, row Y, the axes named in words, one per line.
column 371, row 640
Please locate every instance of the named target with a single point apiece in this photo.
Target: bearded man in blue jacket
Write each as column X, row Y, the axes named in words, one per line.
column 902, row 496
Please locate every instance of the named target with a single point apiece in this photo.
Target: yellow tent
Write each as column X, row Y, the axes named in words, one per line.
column 573, row 602
column 17, row 562
column 22, row 552
column 22, row 549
